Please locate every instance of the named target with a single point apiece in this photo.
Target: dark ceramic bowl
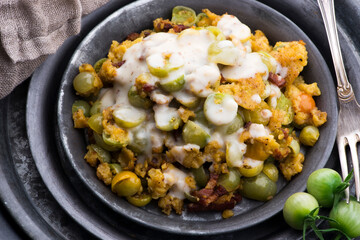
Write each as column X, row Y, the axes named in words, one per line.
column 138, row 16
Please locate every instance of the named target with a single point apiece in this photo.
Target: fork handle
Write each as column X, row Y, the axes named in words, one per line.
column 344, row 89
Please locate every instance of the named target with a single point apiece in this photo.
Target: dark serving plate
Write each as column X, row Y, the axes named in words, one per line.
column 138, row 16
column 37, row 197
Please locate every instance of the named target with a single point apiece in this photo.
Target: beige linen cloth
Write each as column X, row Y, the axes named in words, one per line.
column 30, row 30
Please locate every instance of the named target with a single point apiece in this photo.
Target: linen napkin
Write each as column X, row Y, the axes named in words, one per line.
column 30, row 30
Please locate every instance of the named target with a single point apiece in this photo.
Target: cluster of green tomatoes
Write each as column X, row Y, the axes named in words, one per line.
column 325, row 188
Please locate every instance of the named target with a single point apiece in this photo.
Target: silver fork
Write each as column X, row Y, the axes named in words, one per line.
column 348, row 132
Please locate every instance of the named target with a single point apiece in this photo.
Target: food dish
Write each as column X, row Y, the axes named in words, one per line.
column 195, row 112
column 67, row 146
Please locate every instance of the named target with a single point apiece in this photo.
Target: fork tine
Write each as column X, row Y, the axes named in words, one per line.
column 341, row 141
column 355, row 161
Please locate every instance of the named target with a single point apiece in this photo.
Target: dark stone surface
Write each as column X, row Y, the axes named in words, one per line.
column 30, row 209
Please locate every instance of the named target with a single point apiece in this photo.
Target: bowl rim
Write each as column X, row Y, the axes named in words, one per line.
column 156, row 221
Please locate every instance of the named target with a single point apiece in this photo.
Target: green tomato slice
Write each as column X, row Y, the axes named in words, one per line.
column 175, row 81
column 200, row 175
column 195, row 133
column 95, row 123
column 294, row 147
column 98, row 64
column 183, row 15
column 268, row 60
column 187, row 99
column 234, row 153
column 218, row 35
column 126, row 184
column 128, row 117
column 95, row 108
column 220, row 108
column 112, row 142
column 251, row 167
column 103, row 155
column 139, row 200
column 230, row 181
column 166, row 118
column 83, row 105
column 223, row 52
column 100, row 141
column 191, row 198
column 271, row 171
column 232, row 127
column 115, row 168
column 257, row 115
column 136, row 100
column 139, row 142
column 84, row 83
column 259, row 188
column 201, row 118
column 285, row 104
column 157, row 65
column 202, row 20
column 160, row 65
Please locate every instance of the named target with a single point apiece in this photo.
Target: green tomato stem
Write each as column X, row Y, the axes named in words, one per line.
column 310, row 221
column 339, row 191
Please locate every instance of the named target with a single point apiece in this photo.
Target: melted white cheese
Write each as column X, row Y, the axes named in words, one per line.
column 258, row 130
column 160, row 97
column 176, row 179
column 251, row 65
column 107, row 98
column 233, row 28
column 202, row 79
column 256, row 98
column 164, row 115
column 266, row 113
column 179, row 152
column 188, row 52
column 275, row 93
column 251, row 163
column 221, row 113
column 218, row 137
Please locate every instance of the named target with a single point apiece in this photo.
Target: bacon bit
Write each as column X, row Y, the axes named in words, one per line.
column 222, row 79
column 132, row 36
column 247, row 125
column 220, row 191
column 276, row 79
column 118, row 64
column 212, row 181
column 211, row 192
column 285, row 132
column 179, row 28
column 167, row 27
column 146, row 34
column 155, row 161
column 208, row 195
column 148, row 87
column 197, row 207
column 281, row 153
column 237, row 197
